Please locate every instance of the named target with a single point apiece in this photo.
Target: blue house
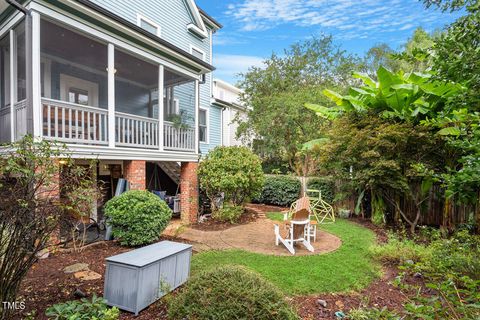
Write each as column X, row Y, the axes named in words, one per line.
column 127, row 82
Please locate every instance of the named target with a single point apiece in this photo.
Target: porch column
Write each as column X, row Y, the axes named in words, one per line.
column 197, row 107
column 111, row 95
column 13, row 83
column 36, row 76
column 161, row 84
column 189, row 192
column 134, row 173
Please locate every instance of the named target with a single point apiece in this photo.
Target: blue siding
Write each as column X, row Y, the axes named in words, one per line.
column 173, row 16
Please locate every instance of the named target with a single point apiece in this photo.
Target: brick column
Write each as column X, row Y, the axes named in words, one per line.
column 134, row 173
column 189, row 192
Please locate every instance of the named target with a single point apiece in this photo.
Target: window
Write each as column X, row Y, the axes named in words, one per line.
column 203, row 125
column 78, row 96
column 196, row 52
column 148, row 25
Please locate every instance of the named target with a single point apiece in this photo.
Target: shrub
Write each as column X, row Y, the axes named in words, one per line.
column 234, row 171
column 398, row 250
column 137, row 217
column 83, row 310
column 228, row 213
column 229, row 292
column 280, row 190
column 325, row 185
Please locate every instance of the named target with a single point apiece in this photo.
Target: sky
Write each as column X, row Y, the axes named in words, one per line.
column 253, row 29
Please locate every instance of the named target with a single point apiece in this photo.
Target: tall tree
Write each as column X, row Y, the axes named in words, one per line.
column 278, row 91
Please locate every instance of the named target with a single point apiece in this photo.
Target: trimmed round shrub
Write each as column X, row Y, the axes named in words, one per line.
column 229, row 292
column 280, row 190
column 325, row 185
column 137, row 217
column 234, row 171
column 228, row 213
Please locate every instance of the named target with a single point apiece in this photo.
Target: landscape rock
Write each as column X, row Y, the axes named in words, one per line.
column 77, row 267
column 322, row 303
column 410, row 262
column 87, row 275
column 418, row 275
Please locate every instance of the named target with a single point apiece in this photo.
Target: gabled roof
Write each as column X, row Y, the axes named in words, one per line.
column 209, row 20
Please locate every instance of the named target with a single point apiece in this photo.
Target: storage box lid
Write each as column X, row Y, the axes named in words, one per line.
column 149, row 254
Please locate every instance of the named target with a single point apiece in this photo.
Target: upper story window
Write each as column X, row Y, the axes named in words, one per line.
column 203, row 125
column 148, row 25
column 197, row 52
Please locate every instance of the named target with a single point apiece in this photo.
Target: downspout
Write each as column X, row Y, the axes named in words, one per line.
column 28, row 62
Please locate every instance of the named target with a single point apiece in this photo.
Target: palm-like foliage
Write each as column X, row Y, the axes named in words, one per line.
column 403, row 96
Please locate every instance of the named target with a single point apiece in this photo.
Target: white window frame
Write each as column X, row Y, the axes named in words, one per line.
column 207, row 116
column 141, row 17
column 192, row 47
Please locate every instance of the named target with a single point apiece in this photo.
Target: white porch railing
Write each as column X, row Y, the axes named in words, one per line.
column 180, row 139
column 20, row 119
column 136, row 131
column 5, row 122
column 74, row 123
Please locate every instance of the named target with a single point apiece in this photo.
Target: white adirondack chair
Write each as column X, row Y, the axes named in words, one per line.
column 298, row 231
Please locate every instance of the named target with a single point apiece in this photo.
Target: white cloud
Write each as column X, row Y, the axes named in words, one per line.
column 229, row 65
column 343, row 16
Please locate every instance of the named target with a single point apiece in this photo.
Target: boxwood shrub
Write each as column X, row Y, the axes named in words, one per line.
column 280, row 190
column 229, row 292
column 137, row 217
column 325, row 185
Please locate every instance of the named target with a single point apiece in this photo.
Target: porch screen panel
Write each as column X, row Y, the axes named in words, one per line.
column 5, row 121
column 179, row 111
column 74, row 85
column 21, row 62
column 136, row 101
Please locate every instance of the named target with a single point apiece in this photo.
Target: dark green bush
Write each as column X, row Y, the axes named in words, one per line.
column 137, row 217
column 83, row 310
column 229, row 292
column 325, row 185
column 228, row 213
column 280, row 190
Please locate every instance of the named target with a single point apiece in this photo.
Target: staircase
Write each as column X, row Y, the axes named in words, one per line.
column 172, row 169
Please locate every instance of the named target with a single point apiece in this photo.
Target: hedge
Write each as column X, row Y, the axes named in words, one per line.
column 325, row 185
column 280, row 190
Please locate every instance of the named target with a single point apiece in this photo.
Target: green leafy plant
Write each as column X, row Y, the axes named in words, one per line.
column 372, row 313
column 280, row 190
column 228, row 213
column 234, row 172
column 137, row 217
column 83, row 309
column 229, row 292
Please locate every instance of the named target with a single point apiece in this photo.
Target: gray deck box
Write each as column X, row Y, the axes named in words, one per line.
column 136, row 279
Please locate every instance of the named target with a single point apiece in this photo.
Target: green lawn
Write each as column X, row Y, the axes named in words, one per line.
column 348, row 268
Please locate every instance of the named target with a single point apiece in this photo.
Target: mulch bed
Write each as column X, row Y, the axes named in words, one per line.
column 381, row 293
column 212, row 225
column 46, row 284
